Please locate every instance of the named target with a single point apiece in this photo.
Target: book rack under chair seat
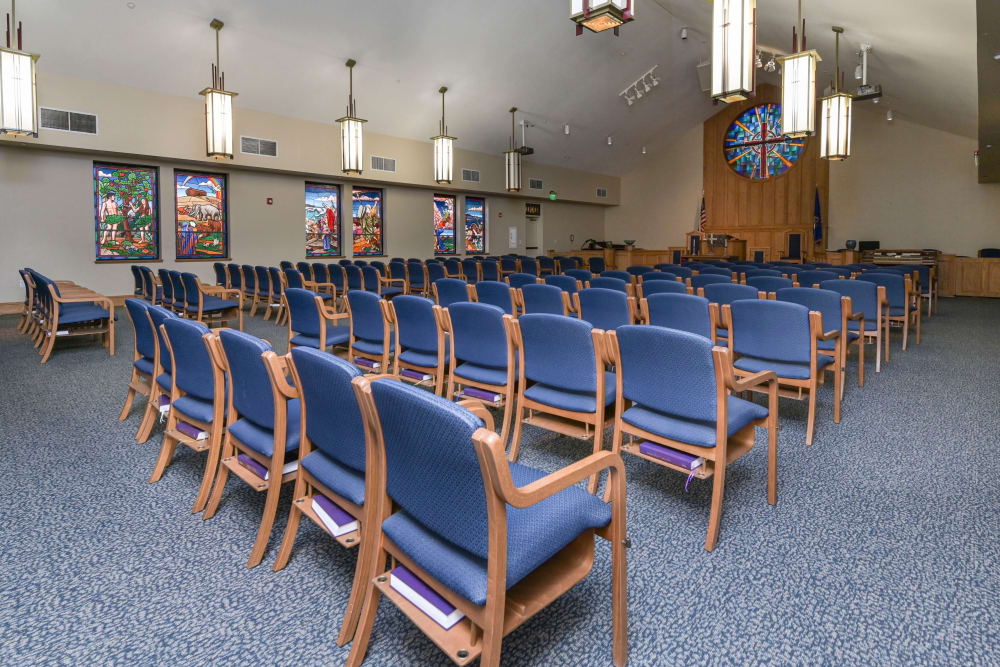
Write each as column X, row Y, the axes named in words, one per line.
column 673, row 394
column 197, row 400
column 431, row 526
column 263, row 426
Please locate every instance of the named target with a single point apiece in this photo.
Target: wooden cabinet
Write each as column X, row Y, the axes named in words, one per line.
column 969, row 276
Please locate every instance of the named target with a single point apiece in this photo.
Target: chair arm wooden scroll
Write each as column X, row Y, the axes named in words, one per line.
column 92, row 297
column 494, row 457
column 830, row 335
column 331, row 314
column 478, row 408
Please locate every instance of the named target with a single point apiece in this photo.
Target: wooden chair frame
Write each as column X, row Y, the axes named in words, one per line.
column 437, row 372
column 381, row 359
column 152, row 411
column 911, row 311
column 480, row 634
column 139, row 382
column 277, row 371
column 221, row 315
column 461, row 271
column 727, row 448
column 104, row 328
column 215, row 428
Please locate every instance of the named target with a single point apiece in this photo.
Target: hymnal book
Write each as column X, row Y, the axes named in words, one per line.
column 192, row 431
column 414, row 375
column 678, row 458
column 336, row 520
column 482, row 394
column 424, row 598
column 367, row 363
column 164, row 403
column 261, row 471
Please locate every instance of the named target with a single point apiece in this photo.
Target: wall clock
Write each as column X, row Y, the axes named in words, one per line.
column 755, row 147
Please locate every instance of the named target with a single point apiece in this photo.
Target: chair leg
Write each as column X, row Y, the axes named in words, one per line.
column 129, row 396
column 266, row 523
column 918, row 323
column 363, row 574
column 861, row 361
column 211, row 466
column 515, row 445
column 838, row 390
column 906, row 327
column 292, row 526
column 368, row 610
column 888, row 339
column 148, row 417
column 111, row 333
column 619, row 602
column 166, row 454
column 714, row 517
column 49, row 344
column 811, row 421
column 220, row 480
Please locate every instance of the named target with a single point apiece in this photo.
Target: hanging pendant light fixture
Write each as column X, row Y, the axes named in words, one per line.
column 218, row 108
column 734, row 37
column 443, row 144
column 512, row 159
column 351, row 131
column 600, row 15
column 835, row 116
column 18, row 99
column 798, row 86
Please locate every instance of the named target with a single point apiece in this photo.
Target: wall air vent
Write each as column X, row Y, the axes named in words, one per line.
column 67, row 121
column 535, row 184
column 383, row 163
column 470, row 175
column 602, row 193
column 254, row 146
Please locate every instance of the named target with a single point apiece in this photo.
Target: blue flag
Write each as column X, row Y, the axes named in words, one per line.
column 817, row 220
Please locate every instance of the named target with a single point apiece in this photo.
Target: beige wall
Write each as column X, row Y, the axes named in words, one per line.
column 910, row 186
column 660, row 198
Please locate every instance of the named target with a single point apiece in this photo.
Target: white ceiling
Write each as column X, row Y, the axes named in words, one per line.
column 288, row 58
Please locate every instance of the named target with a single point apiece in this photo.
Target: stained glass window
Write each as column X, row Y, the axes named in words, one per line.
column 755, row 147
column 322, row 220
column 126, row 212
column 201, row 216
column 444, row 225
column 367, row 213
column 475, row 225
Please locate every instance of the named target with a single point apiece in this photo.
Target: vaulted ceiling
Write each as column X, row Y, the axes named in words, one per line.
column 288, row 58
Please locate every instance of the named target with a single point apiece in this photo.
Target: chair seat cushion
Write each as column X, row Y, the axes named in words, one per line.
column 212, row 304
column 144, row 365
column 336, row 476
column 832, row 344
column 261, row 440
column 534, row 535
column 372, row 347
column 783, row 369
column 72, row 313
column 334, row 336
column 571, row 400
column 195, row 408
column 391, row 291
column 425, row 359
column 484, row 374
column 165, row 381
column 739, row 412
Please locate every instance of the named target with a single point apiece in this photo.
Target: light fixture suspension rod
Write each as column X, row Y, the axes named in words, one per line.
column 444, row 128
column 350, row 86
column 513, row 129
column 836, row 73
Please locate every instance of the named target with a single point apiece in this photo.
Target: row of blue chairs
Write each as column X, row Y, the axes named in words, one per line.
column 184, row 294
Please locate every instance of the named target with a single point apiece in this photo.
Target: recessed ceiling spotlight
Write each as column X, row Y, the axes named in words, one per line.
column 630, row 100
column 771, row 65
column 757, row 61
column 888, row 116
column 638, row 93
column 643, row 150
column 684, row 33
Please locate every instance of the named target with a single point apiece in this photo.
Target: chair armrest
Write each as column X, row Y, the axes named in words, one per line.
column 224, row 291
column 491, row 452
column 401, row 281
column 755, row 380
column 91, row 298
column 330, row 314
column 278, row 370
column 478, row 408
column 830, row 335
column 856, row 316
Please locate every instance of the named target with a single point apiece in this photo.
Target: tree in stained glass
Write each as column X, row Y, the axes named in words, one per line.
column 755, row 147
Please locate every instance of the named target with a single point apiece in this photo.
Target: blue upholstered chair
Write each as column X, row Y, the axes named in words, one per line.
column 762, row 272
column 812, row 277
column 332, row 460
column 676, row 269
column 581, row 275
column 293, row 278
column 596, row 265
column 495, row 293
column 770, row 284
column 416, row 276
column 400, row 276
column 221, row 278
column 702, row 279
column 567, row 284
column 471, row 271
column 262, row 427
column 277, row 289
column 178, row 302
column 144, row 356
column 621, row 275
column 262, row 295
column 371, row 338
column 904, row 305
column 285, row 264
column 65, row 315
column 646, row 289
column 638, row 269
column 152, row 291
column 489, row 269
column 137, row 279
column 870, row 316
column 716, row 271
column 217, row 305
column 684, row 312
column 546, row 265
column 782, row 337
column 234, row 277
column 197, row 400
column 528, row 265
column 617, row 284
column 720, row 294
column 420, row 344
column 450, row 290
column 603, row 308
column 345, row 262
column 246, row 280
column 561, row 373
column 567, row 264
column 320, row 274
column 508, row 265
column 337, row 278
column 312, row 323
column 158, row 397
column 435, row 272
column 167, row 298
column 384, row 287
column 539, row 298
column 835, row 312
column 657, row 275
column 453, row 268
column 481, row 356
column 469, row 529
column 360, row 262
column 841, row 271
column 354, row 278
column 380, row 266
column 519, row 280
column 672, row 392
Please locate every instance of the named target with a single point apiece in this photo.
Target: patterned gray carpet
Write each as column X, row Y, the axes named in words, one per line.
column 884, row 547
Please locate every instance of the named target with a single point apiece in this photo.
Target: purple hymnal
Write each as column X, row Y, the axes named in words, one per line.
column 482, row 394
column 414, row 375
column 676, row 457
column 424, row 598
column 336, row 520
column 192, row 431
column 367, row 363
column 252, row 466
column 164, row 403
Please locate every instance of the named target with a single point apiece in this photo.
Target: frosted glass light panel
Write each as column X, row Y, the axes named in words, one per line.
column 17, row 93
column 835, row 119
column 443, row 158
column 351, row 147
column 798, row 94
column 734, row 36
column 512, row 178
column 601, row 15
column 219, row 123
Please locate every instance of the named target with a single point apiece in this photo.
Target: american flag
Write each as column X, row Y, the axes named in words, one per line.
column 702, row 215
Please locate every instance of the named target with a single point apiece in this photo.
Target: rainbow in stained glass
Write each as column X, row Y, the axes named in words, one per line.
column 755, row 147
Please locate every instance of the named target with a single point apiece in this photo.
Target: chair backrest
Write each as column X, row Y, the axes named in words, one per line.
column 684, row 312
column 145, row 339
column 148, row 283
column 470, row 268
column 397, row 271
column 490, row 269
column 193, row 368
column 728, row 292
column 303, row 314
column 416, row 326
column 668, row 371
column 450, row 290
column 519, row 280
column 558, row 351
column 770, row 283
column 263, row 280
column 839, row 271
column 565, row 283
column 539, row 298
column 596, row 264
column 435, row 272
column 367, row 321
column 529, row 265
column 177, row 286
column 360, row 262
column 371, row 276
column 345, row 262
column 826, row 302
column 168, row 287
column 415, row 273
column 863, row 294
column 320, row 272
column 602, row 282
column 662, row 287
column 240, row 276
column 137, row 278
column 604, row 308
column 545, row 263
column 192, row 289
column 332, row 419
column 378, row 266
column 452, row 266
column 740, row 268
column 676, row 269
column 508, row 264
column 220, row 273
column 276, row 285
column 249, row 384
column 658, row 275
column 478, row 335
column 751, row 273
column 431, row 468
column 895, row 286
column 285, row 264
column 496, row 294
column 716, row 271
column 293, row 278
column 158, row 315
column 354, row 279
column 583, row 275
column 336, row 276
column 567, row 264
column 772, row 330
column 638, row 269
column 813, row 277
column 703, row 279
column 621, row 275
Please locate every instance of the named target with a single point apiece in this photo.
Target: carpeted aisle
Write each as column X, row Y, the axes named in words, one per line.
column 884, row 547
